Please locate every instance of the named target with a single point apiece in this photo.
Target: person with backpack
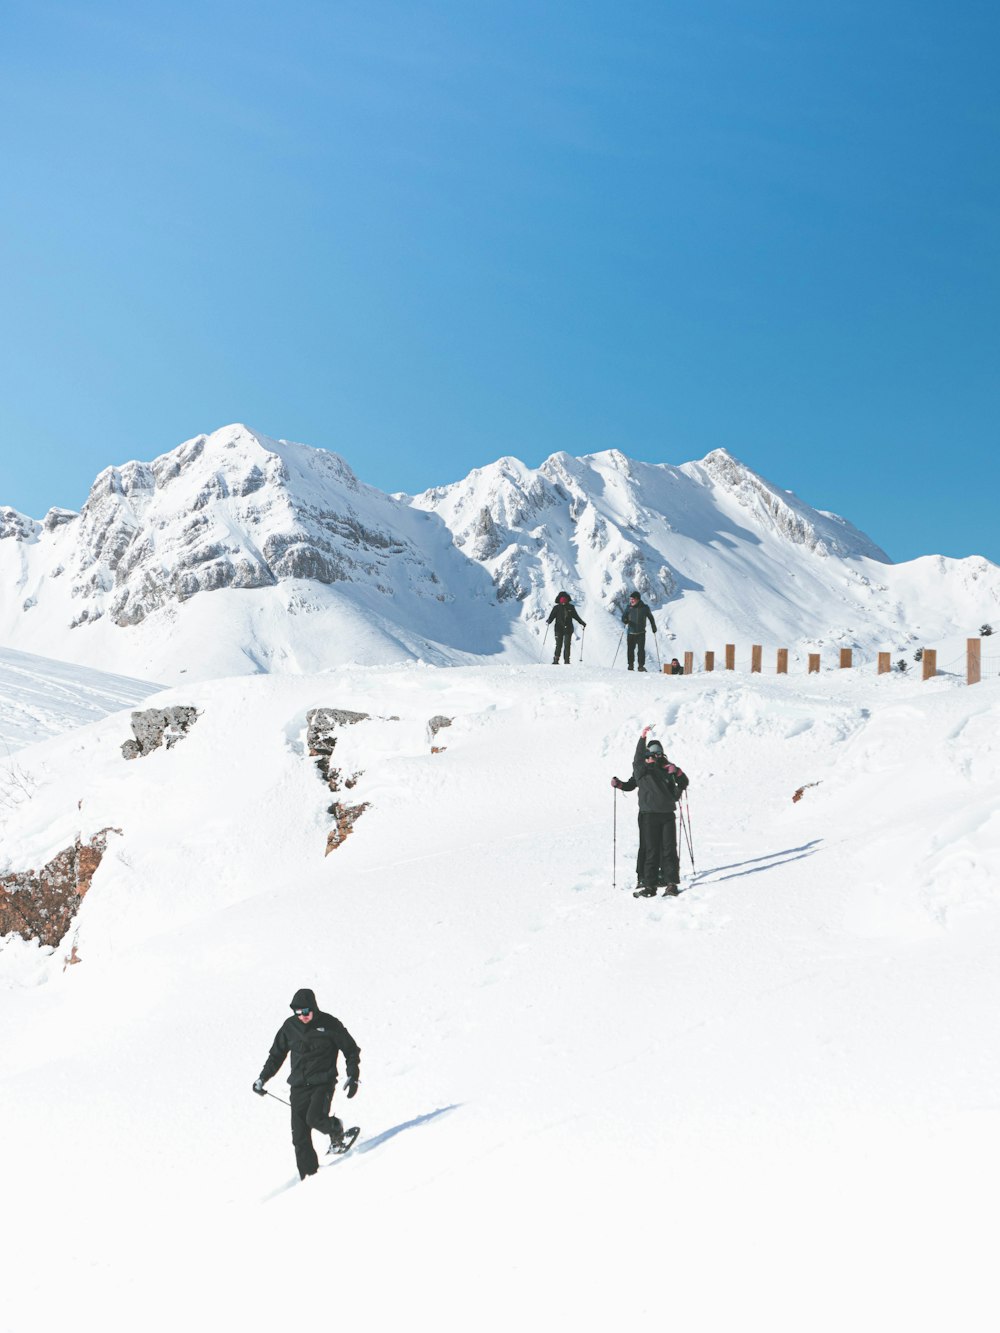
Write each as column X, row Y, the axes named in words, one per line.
column 563, row 613
column 314, row 1040
column 635, row 617
column 660, row 785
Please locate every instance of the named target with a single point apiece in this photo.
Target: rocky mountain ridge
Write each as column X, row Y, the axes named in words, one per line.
column 308, row 566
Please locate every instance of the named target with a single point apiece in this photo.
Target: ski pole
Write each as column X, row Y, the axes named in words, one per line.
column 617, row 650
column 685, row 811
column 583, row 635
column 544, row 637
column 278, row 1099
column 614, row 842
column 656, row 644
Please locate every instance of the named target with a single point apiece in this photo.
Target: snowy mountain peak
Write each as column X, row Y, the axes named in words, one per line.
column 781, row 512
column 16, row 526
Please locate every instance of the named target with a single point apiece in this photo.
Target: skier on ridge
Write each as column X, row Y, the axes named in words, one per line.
column 634, row 618
column 563, row 613
column 314, row 1040
column 660, row 785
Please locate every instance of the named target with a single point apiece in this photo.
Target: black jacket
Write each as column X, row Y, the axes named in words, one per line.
column 564, row 613
column 635, row 618
column 659, row 784
column 314, row 1047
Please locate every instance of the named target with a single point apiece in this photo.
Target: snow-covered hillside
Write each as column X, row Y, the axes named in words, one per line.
column 235, row 553
column 772, row 1101
column 41, row 698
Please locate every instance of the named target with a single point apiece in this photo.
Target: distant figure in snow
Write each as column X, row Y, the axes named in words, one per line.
column 675, row 667
column 660, row 785
column 314, row 1040
column 564, row 613
column 635, row 619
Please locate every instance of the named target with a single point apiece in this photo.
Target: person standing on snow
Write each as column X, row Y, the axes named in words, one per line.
column 314, row 1040
column 563, row 613
column 635, row 618
column 660, row 785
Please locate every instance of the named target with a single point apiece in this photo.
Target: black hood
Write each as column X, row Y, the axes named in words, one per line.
column 563, row 594
column 304, row 999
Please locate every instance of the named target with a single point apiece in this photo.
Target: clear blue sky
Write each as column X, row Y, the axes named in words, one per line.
column 429, row 233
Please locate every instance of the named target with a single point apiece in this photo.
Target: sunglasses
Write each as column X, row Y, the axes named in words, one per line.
column 301, row 1011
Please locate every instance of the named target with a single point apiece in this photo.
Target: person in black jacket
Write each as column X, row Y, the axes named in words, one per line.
column 675, row 667
column 635, row 618
column 660, row 785
column 314, row 1040
column 564, row 613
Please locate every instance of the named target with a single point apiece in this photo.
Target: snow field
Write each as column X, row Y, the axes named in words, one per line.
column 774, row 1099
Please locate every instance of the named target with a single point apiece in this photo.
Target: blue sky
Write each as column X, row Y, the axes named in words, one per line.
column 427, row 234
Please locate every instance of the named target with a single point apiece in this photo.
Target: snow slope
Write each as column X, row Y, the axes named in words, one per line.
column 772, row 1102
column 41, row 698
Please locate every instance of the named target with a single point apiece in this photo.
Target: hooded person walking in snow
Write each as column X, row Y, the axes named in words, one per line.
column 660, row 785
column 564, row 613
column 635, row 617
column 314, row 1040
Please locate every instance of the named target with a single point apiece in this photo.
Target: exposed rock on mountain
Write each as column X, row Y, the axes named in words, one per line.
column 321, row 740
column 153, row 727
column 41, row 904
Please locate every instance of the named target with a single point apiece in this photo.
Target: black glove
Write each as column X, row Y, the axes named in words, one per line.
column 258, row 1088
column 351, row 1087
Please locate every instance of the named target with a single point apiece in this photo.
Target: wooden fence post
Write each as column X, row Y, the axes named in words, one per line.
column 973, row 661
column 813, row 663
column 710, row 661
column 884, row 663
column 782, row 661
column 929, row 663
column 689, row 664
column 730, row 656
column 756, row 652
column 846, row 658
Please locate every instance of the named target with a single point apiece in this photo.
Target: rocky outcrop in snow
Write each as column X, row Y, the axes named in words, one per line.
column 321, row 740
column 153, row 727
column 41, row 904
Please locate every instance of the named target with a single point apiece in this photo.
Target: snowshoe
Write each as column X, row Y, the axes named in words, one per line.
column 671, row 890
column 641, row 891
column 339, row 1146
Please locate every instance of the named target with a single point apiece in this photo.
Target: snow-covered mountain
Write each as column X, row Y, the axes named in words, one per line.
column 236, row 553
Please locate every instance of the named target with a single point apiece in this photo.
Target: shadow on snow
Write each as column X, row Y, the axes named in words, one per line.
column 757, row 864
column 388, row 1134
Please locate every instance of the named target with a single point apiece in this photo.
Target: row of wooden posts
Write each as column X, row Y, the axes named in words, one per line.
column 928, row 661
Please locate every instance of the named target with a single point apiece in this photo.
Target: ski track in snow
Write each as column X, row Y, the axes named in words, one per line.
column 785, row 1076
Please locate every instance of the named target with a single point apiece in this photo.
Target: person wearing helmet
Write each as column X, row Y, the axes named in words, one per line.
column 314, row 1040
column 637, row 613
column 659, row 784
column 563, row 613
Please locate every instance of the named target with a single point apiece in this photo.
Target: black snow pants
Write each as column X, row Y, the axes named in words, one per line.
column 657, row 863
column 311, row 1110
column 564, row 637
column 636, row 643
